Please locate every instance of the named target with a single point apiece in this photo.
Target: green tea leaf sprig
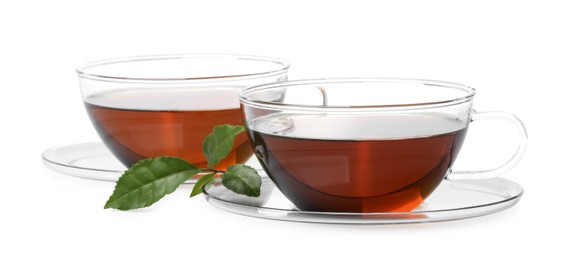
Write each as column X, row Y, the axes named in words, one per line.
column 149, row 180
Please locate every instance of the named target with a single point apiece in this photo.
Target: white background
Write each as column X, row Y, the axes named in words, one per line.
column 510, row 51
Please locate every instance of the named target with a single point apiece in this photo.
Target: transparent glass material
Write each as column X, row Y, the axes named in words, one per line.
column 149, row 106
column 364, row 144
column 452, row 200
column 179, row 71
column 90, row 160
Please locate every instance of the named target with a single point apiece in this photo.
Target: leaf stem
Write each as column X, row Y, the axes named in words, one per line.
column 209, row 170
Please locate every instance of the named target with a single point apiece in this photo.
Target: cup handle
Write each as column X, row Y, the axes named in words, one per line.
column 491, row 173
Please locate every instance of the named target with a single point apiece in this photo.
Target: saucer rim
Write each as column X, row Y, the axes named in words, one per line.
column 47, row 159
column 490, row 208
column 99, row 174
column 89, row 173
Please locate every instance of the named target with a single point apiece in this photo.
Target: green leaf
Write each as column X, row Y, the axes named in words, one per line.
column 218, row 144
column 148, row 181
column 201, row 182
column 242, row 179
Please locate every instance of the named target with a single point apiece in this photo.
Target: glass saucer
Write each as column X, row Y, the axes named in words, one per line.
column 452, row 200
column 86, row 160
column 92, row 160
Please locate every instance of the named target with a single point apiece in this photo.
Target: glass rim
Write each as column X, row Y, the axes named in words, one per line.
column 470, row 93
column 82, row 70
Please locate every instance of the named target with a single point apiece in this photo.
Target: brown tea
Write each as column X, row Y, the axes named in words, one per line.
column 358, row 163
column 139, row 124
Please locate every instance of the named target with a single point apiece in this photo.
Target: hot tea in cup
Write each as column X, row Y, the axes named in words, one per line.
column 362, row 145
column 151, row 106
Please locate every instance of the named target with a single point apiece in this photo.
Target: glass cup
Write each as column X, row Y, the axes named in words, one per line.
column 363, row 144
column 151, row 106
